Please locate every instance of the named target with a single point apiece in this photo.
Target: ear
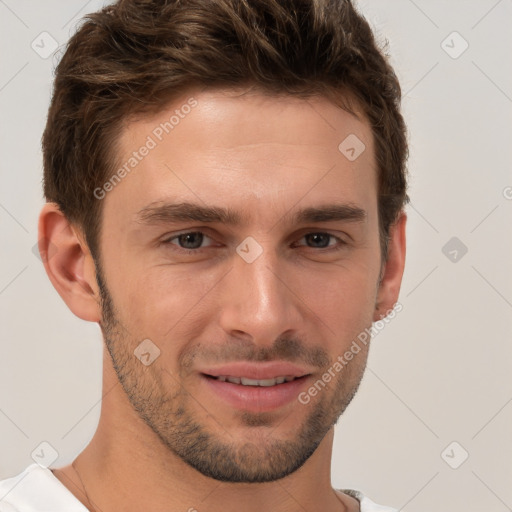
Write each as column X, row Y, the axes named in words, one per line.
column 392, row 271
column 68, row 263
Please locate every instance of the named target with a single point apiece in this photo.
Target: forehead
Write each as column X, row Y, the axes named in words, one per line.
column 216, row 146
column 233, row 116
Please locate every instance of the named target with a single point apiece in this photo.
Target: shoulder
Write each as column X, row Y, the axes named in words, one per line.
column 12, row 487
column 366, row 504
column 36, row 489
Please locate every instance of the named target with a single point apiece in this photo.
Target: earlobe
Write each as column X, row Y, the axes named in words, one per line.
column 68, row 263
column 389, row 287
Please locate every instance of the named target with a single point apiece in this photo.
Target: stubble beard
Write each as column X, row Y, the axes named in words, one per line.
column 163, row 403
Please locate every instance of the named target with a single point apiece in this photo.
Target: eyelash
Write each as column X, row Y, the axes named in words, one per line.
column 168, row 242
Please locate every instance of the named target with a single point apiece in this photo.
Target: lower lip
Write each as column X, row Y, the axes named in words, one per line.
column 256, row 398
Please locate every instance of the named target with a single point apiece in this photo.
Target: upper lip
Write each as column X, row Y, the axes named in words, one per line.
column 257, row 371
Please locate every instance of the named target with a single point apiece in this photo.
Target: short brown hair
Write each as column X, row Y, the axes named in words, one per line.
column 137, row 55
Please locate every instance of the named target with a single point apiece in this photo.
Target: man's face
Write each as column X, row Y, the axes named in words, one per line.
column 273, row 282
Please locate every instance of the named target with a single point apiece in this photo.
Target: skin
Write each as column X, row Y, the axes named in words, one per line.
column 264, row 157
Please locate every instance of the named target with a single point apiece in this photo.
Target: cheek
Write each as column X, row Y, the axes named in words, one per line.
column 342, row 295
column 163, row 302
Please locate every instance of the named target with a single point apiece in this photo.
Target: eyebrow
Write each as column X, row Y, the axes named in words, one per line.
column 158, row 213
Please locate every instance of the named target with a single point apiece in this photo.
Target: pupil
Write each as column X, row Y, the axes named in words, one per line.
column 319, row 239
column 187, row 240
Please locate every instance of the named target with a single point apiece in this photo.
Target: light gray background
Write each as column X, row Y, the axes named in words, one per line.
column 439, row 372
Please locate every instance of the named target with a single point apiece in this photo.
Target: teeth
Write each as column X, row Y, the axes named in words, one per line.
column 255, row 382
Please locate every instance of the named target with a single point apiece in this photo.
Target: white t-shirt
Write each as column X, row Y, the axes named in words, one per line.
column 37, row 489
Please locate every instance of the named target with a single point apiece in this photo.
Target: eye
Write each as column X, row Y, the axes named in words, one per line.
column 188, row 241
column 322, row 240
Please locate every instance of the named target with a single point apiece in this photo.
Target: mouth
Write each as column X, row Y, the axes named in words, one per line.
column 246, row 381
column 254, row 395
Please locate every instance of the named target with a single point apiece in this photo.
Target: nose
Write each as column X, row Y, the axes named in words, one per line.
column 258, row 300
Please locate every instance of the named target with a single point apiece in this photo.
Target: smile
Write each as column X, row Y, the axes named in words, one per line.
column 245, row 381
column 254, row 395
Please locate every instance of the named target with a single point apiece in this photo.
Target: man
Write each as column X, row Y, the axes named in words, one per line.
column 225, row 184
